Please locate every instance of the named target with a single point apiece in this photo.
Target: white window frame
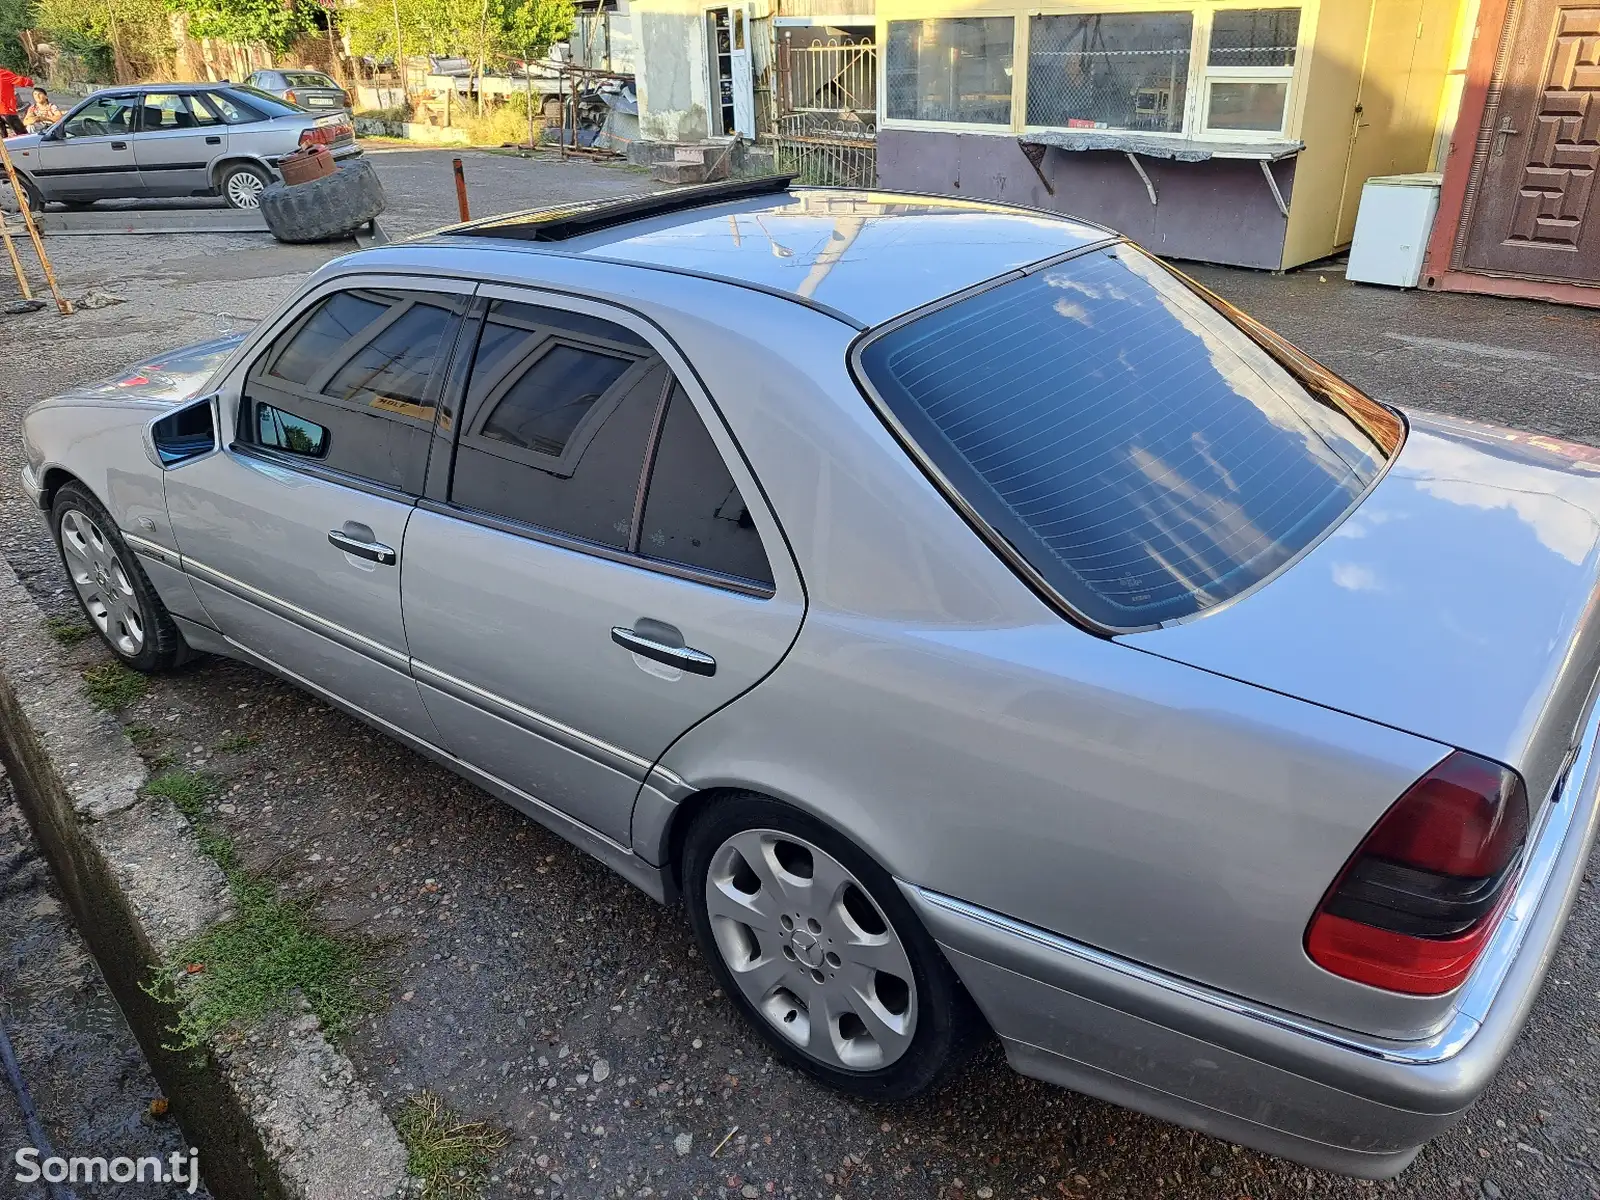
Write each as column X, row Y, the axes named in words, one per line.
column 1197, row 95
column 1019, row 41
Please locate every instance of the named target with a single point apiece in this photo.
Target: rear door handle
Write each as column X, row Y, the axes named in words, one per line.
column 213, row 141
column 119, row 145
column 686, row 658
column 376, row 552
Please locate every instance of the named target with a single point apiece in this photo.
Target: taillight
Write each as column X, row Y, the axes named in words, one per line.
column 289, row 96
column 1415, row 906
column 325, row 135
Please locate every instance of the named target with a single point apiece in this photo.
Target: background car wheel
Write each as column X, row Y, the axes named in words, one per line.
column 818, row 948
column 242, row 185
column 111, row 587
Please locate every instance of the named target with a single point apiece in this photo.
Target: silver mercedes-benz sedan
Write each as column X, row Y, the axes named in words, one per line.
column 171, row 139
column 980, row 626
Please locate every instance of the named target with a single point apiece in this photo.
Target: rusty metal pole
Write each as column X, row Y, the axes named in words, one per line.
column 461, row 189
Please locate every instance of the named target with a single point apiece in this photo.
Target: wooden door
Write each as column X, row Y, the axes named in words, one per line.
column 1534, row 209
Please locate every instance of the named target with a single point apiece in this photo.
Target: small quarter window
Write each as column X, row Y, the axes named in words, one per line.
column 284, row 431
column 693, row 512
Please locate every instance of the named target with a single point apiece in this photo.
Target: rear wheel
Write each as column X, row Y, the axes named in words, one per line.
column 815, row 944
column 242, row 185
column 111, row 587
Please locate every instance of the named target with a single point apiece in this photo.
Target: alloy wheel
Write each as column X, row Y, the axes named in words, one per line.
column 102, row 583
column 810, row 950
column 244, row 189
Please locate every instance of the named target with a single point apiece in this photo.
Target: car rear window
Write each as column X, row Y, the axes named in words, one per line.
column 265, row 103
column 307, row 79
column 1130, row 442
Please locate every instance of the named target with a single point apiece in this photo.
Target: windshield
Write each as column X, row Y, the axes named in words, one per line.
column 1144, row 450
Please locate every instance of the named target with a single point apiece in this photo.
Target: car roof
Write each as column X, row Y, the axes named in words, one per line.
column 129, row 89
column 864, row 256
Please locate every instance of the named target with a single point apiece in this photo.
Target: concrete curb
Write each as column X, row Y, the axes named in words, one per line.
column 277, row 1113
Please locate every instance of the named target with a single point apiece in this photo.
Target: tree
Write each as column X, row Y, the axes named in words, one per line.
column 275, row 22
column 128, row 36
column 458, row 28
column 15, row 16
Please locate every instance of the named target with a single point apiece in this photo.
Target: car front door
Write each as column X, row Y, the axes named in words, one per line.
column 90, row 154
column 178, row 139
column 293, row 535
column 588, row 581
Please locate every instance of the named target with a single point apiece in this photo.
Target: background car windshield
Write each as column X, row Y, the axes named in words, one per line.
column 307, row 79
column 1145, row 450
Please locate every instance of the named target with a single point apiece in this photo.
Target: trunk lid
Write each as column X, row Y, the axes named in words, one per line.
column 1457, row 602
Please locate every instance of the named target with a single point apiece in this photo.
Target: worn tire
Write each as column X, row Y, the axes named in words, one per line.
column 160, row 645
column 319, row 210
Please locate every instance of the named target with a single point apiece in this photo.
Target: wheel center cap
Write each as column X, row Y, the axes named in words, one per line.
column 806, row 948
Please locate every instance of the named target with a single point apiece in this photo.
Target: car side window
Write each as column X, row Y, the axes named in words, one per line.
column 108, row 115
column 693, row 512
column 353, row 383
column 558, row 414
column 163, row 113
column 233, row 112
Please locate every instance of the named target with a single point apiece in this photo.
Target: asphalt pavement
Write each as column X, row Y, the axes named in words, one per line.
column 534, row 990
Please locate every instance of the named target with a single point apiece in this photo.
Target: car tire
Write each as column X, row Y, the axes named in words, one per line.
column 891, row 1029
column 112, row 589
column 30, row 190
column 319, row 210
column 243, row 184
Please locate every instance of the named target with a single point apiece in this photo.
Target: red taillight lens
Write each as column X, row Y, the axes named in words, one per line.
column 289, row 96
column 1413, row 909
column 325, row 135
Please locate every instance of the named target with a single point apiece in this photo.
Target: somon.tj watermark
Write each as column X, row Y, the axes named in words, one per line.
column 180, row 1168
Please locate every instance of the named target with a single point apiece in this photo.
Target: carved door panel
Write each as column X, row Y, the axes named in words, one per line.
column 1535, row 204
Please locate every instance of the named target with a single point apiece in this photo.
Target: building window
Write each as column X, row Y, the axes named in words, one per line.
column 1248, row 70
column 950, row 69
column 1110, row 71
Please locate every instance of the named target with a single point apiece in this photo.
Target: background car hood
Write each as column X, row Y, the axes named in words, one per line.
column 1457, row 602
column 169, row 378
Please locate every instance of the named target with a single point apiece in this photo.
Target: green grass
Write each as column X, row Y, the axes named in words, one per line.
column 249, row 966
column 112, row 686
column 141, row 735
column 69, row 631
column 449, row 1155
column 236, row 743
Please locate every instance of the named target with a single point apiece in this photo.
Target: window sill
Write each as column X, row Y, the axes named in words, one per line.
column 1157, row 145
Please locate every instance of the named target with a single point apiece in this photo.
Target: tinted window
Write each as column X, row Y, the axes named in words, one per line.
column 354, row 383
column 693, row 513
column 559, row 410
column 307, row 79
column 1146, row 450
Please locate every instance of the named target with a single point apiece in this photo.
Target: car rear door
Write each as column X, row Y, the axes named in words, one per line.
column 91, row 153
column 594, row 575
column 178, row 139
column 293, row 534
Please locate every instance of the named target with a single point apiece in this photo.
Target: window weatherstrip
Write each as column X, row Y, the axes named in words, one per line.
column 647, row 468
column 577, row 545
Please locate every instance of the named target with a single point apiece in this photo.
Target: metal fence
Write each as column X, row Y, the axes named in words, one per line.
column 831, row 77
column 826, row 150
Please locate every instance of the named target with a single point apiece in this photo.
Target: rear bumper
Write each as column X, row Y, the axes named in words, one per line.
column 1323, row 1096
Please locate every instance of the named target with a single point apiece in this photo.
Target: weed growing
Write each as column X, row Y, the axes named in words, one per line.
column 450, row 1156
column 112, row 686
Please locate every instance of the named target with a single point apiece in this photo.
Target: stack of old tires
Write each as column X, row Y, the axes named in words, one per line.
column 318, row 200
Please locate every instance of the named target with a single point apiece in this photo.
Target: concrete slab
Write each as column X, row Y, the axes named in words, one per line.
column 155, row 220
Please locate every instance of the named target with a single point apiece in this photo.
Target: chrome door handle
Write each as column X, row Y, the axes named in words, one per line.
column 376, row 552
column 696, row 662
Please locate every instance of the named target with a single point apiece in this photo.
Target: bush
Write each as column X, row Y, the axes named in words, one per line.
column 397, row 112
column 501, row 123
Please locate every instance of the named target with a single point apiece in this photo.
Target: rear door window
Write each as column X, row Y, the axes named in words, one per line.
column 354, row 382
column 1131, row 443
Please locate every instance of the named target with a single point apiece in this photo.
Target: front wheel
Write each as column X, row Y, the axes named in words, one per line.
column 242, row 185
column 815, row 944
column 111, row 586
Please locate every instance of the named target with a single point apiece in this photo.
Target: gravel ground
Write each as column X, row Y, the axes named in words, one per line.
column 534, row 990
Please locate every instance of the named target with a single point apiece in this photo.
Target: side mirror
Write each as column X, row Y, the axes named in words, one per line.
column 188, row 433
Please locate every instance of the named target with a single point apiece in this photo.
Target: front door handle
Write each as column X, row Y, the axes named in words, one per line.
column 119, row 145
column 686, row 658
column 376, row 552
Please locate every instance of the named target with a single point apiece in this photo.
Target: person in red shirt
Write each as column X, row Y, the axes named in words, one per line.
column 10, row 81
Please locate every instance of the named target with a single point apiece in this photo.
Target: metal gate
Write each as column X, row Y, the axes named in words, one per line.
column 828, row 98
